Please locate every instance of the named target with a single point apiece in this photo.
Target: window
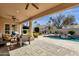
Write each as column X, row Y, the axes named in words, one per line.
column 13, row 27
column 25, row 29
column 7, row 29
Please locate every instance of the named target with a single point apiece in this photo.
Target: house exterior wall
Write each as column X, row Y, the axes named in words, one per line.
column 71, row 27
column 1, row 26
column 7, row 21
column 44, row 28
column 64, row 30
column 74, row 29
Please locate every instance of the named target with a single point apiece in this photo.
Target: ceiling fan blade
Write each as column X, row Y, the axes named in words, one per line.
column 27, row 6
column 50, row 18
column 12, row 17
column 35, row 6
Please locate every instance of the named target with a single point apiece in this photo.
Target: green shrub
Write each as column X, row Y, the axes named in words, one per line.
column 56, row 32
column 36, row 29
column 35, row 34
column 24, row 31
column 40, row 33
column 72, row 32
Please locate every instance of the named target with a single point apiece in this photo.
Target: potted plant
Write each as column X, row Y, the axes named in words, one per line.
column 35, row 34
column 71, row 32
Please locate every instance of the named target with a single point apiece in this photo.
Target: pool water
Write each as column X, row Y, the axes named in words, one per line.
column 72, row 38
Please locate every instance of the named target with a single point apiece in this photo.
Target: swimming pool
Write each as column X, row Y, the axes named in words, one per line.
column 71, row 38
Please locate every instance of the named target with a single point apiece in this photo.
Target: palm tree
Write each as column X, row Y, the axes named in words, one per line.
column 49, row 21
column 35, row 22
column 38, row 24
column 48, row 26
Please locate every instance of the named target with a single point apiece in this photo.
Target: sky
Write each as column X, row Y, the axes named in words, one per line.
column 74, row 11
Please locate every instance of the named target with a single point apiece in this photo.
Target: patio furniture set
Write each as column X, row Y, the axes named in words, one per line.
column 14, row 41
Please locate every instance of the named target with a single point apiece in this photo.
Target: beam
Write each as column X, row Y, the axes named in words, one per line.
column 55, row 9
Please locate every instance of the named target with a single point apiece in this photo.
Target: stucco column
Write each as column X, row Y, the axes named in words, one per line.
column 19, row 28
column 30, row 31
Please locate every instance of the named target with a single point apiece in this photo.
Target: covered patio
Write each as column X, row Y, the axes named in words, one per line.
column 13, row 15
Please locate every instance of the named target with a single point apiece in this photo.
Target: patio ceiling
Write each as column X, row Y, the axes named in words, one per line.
column 18, row 10
column 21, row 14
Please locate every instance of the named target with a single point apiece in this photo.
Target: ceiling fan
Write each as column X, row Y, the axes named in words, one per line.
column 33, row 4
column 13, row 18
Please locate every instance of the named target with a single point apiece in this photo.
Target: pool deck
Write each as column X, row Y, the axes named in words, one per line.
column 44, row 46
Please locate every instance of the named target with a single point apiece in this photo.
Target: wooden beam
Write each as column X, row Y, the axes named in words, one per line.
column 55, row 9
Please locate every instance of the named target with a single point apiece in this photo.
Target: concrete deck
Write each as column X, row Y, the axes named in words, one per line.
column 4, row 51
column 43, row 46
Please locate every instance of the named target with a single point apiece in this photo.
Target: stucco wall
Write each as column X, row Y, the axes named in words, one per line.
column 1, row 24
column 74, row 29
column 4, row 21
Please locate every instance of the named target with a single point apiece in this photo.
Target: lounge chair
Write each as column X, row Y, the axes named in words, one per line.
column 26, row 38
